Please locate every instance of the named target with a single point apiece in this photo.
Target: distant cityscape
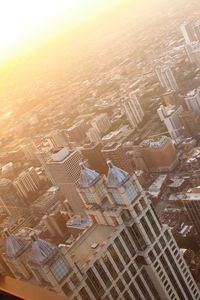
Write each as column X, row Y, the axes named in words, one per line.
column 100, row 173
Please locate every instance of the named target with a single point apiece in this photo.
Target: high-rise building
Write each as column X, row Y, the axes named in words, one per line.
column 95, row 159
column 78, row 131
column 191, row 123
column 188, row 33
column 191, row 201
column 29, row 151
column 9, row 198
column 193, row 53
column 125, row 254
column 143, row 260
column 197, row 30
column 158, row 154
column 94, row 135
column 63, row 169
column 192, row 101
column 57, row 139
column 166, row 78
column 133, row 109
column 170, row 116
column 101, row 123
column 118, row 155
column 27, row 183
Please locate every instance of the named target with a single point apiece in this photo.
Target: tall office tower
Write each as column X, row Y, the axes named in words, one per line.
column 9, row 198
column 78, row 131
column 158, row 154
column 93, row 135
column 191, row 201
column 192, row 101
column 95, row 159
column 118, row 155
column 101, row 123
column 166, row 78
column 27, row 183
column 57, row 139
column 188, row 33
column 191, row 123
column 125, row 254
column 62, row 168
column 29, row 151
column 133, row 110
column 193, row 53
column 140, row 259
column 197, row 30
column 170, row 116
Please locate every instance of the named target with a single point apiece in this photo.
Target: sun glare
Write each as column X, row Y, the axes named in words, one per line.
column 25, row 20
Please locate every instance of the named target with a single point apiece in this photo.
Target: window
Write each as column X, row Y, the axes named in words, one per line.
column 126, row 277
column 118, row 198
column 74, row 279
column 153, row 222
column 133, row 270
column 128, row 243
column 102, row 274
column 147, row 230
column 66, row 289
column 120, row 285
column 137, row 237
column 114, row 293
column 135, row 292
column 84, row 294
column 127, row 296
column 94, row 283
column 109, row 265
column 131, row 192
column 90, row 197
column 59, row 270
column 157, row 249
column 115, row 257
column 122, row 251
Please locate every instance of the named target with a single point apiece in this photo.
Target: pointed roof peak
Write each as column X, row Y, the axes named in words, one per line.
column 88, row 177
column 116, row 177
column 42, row 251
column 15, row 245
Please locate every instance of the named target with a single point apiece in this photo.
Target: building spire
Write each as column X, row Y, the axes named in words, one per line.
column 88, row 177
column 116, row 177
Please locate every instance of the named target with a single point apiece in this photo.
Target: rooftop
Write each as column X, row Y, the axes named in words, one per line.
column 97, row 234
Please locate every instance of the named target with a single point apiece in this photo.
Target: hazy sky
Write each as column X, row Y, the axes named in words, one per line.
column 22, row 21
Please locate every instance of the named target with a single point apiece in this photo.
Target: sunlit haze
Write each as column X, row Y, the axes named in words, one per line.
column 23, row 21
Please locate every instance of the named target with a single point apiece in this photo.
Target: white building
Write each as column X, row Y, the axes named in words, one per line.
column 133, row 110
column 27, row 182
column 192, row 101
column 170, row 115
column 166, row 78
column 93, row 135
column 101, row 123
column 57, row 139
column 197, row 30
column 193, row 52
column 188, row 33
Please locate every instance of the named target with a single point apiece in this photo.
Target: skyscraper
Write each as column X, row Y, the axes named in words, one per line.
column 125, row 254
column 133, row 110
column 9, row 198
column 141, row 260
column 188, row 33
column 116, row 153
column 170, row 116
column 62, row 169
column 166, row 78
column 56, row 139
column 192, row 101
column 27, row 182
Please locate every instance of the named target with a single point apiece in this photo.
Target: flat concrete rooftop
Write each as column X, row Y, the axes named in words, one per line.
column 81, row 249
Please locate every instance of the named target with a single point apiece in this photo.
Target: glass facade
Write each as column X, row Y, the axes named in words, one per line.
column 59, row 270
